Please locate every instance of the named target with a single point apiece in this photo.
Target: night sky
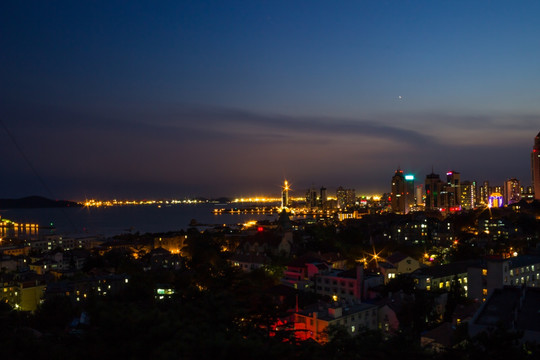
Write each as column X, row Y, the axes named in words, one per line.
column 133, row 99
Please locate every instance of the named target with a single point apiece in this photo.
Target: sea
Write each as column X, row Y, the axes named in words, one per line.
column 115, row 220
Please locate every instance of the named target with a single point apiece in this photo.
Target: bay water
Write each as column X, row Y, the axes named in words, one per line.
column 114, row 220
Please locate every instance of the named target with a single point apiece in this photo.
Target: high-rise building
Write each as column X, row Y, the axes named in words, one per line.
column 419, row 195
column 452, row 188
column 535, row 167
column 468, row 195
column 323, row 198
column 311, row 198
column 409, row 191
column 433, row 190
column 345, row 197
column 483, row 193
column 527, row 193
column 398, row 198
column 512, row 191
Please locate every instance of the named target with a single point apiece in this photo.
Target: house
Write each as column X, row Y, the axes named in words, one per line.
column 404, row 264
column 249, row 262
column 340, row 284
column 300, row 272
column 8, row 263
column 387, row 319
column 79, row 289
column 268, row 243
column 390, row 308
column 172, row 244
column 159, row 258
column 438, row 339
column 513, row 308
column 313, row 322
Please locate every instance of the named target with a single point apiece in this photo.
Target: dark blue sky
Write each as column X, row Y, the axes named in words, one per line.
column 184, row 98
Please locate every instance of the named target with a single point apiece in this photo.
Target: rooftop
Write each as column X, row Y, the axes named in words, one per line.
column 322, row 310
column 437, row 271
column 513, row 308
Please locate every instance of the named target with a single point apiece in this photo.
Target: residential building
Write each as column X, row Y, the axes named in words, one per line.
column 468, row 195
column 399, row 193
column 312, row 322
column 249, row 262
column 512, row 191
column 440, row 277
column 345, row 197
column 300, row 272
column 340, row 284
column 485, row 278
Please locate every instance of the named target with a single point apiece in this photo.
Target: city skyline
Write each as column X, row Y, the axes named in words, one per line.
column 198, row 99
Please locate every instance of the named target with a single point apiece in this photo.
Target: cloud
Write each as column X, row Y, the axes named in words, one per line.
column 219, row 151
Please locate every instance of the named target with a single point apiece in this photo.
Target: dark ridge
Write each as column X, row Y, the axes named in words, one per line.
column 34, row 202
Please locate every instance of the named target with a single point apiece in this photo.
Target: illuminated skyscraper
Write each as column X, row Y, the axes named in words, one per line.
column 433, row 190
column 324, row 197
column 453, row 193
column 468, row 195
column 399, row 191
column 512, row 191
column 483, row 193
column 419, row 195
column 535, row 167
column 311, row 198
column 409, row 192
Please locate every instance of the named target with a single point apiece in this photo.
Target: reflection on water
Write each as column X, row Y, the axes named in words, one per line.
column 110, row 221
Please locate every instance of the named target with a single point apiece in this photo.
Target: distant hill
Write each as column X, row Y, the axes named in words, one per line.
column 33, row 202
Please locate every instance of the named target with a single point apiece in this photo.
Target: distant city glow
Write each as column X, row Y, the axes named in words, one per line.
column 99, row 203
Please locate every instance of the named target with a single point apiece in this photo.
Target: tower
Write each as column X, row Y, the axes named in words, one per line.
column 535, row 167
column 285, row 194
